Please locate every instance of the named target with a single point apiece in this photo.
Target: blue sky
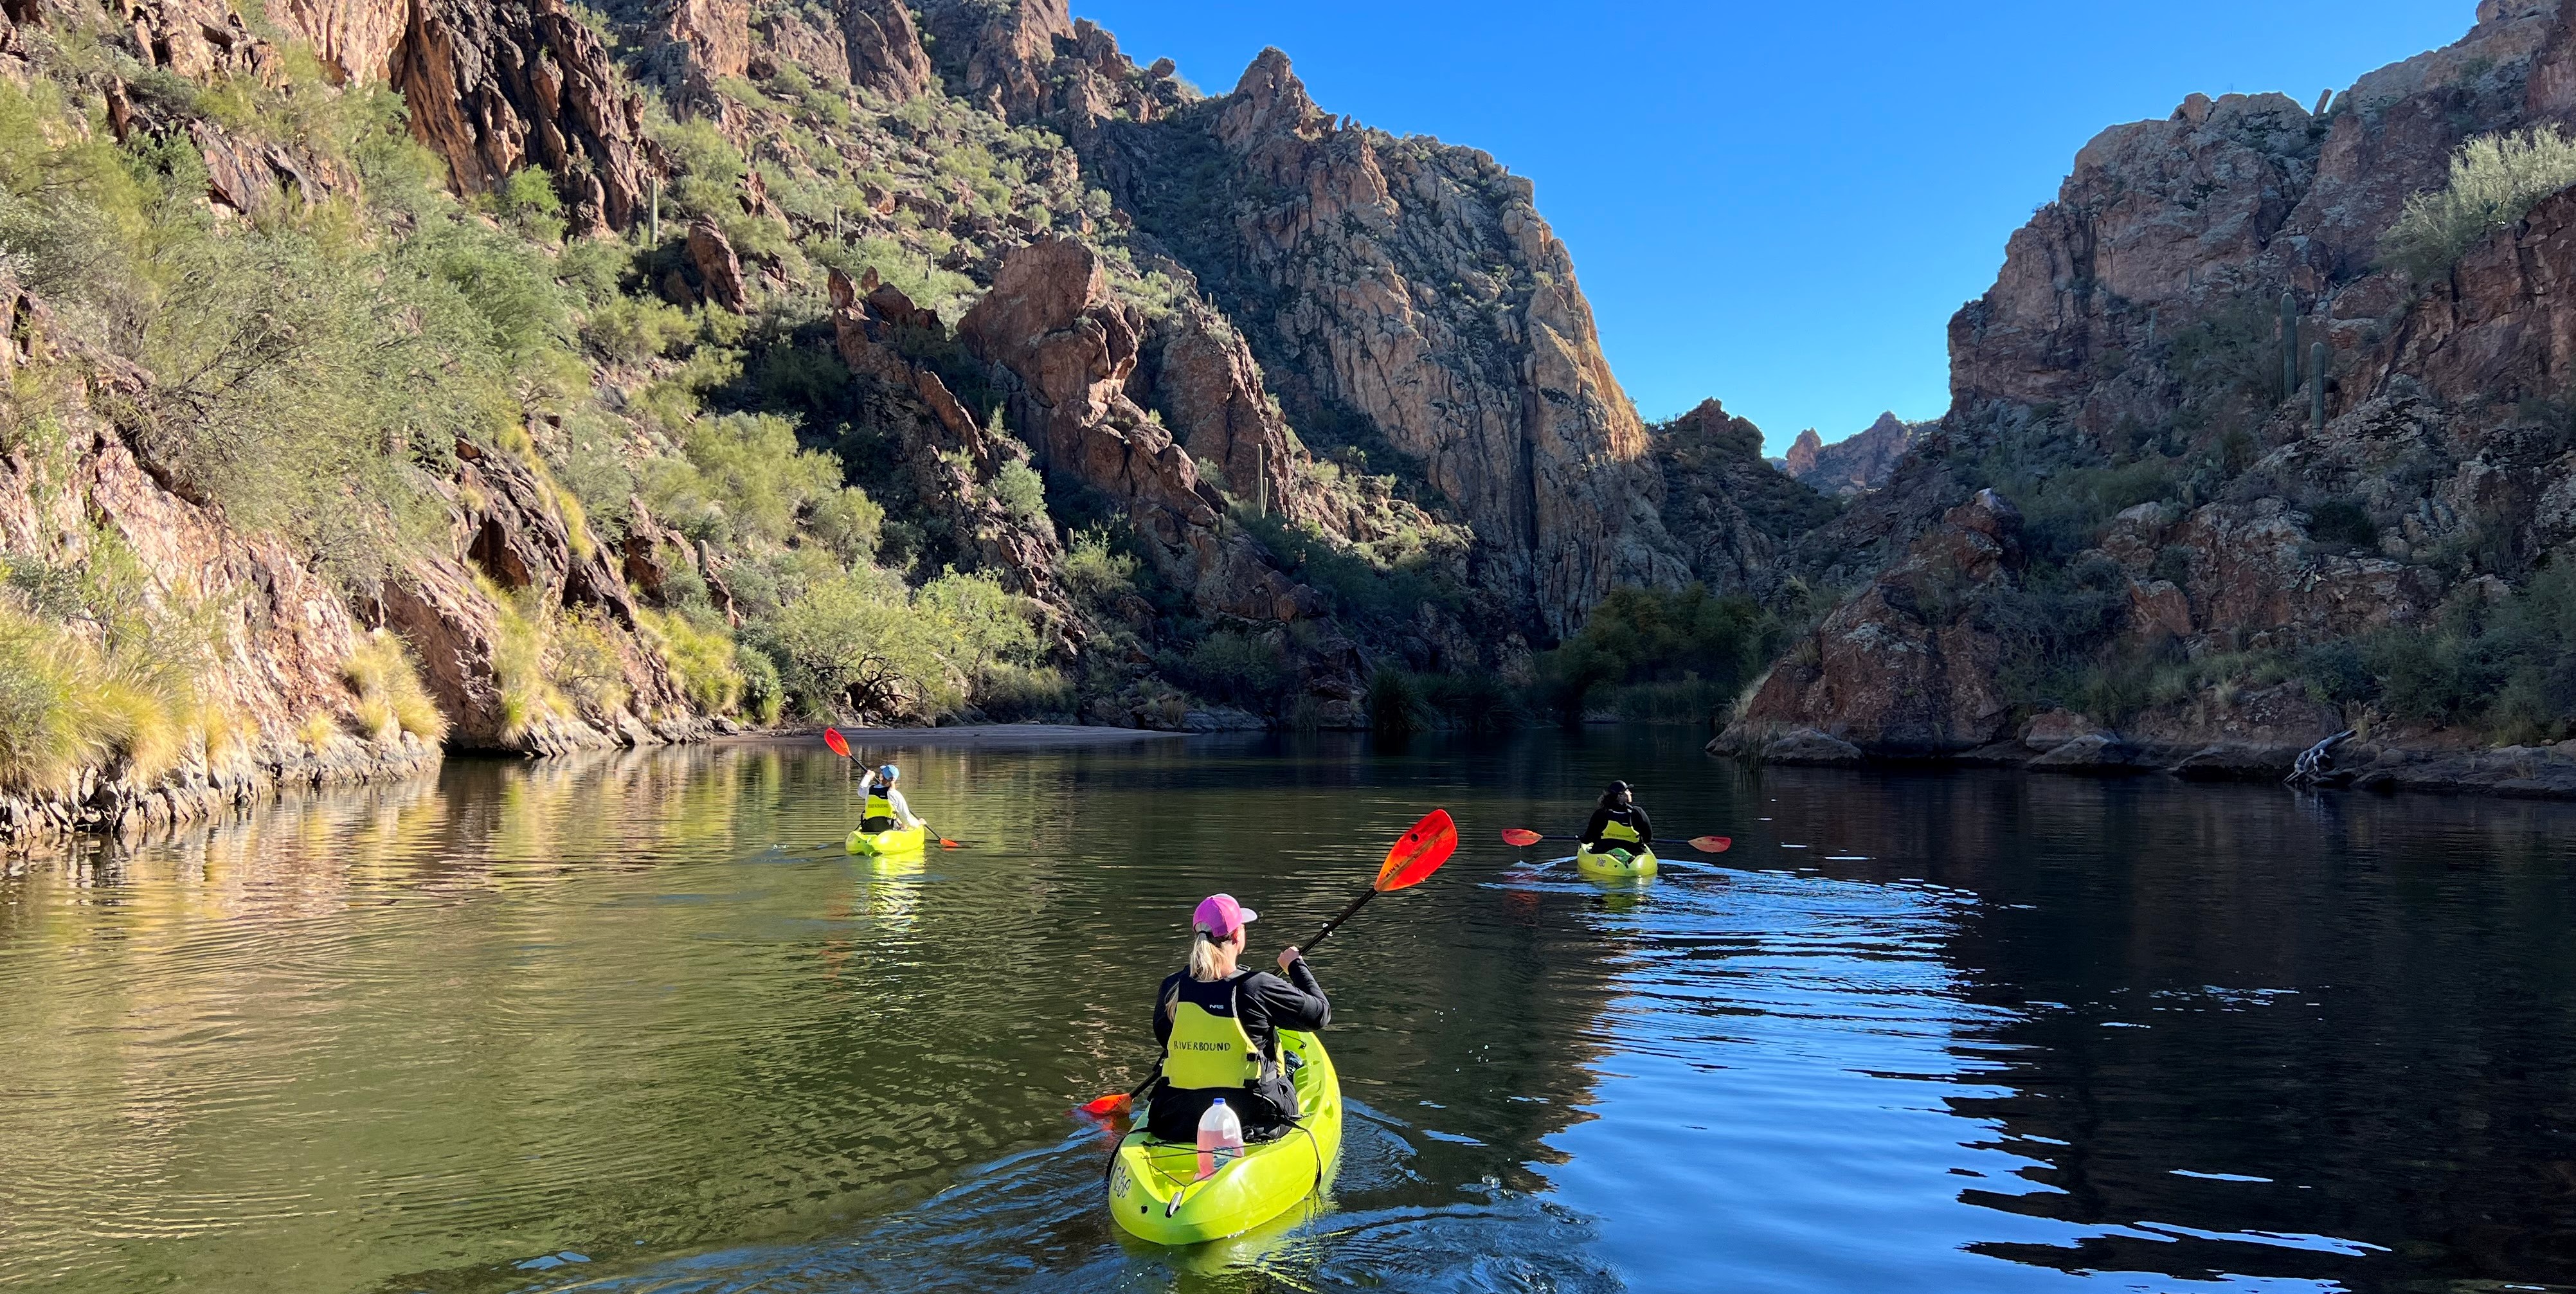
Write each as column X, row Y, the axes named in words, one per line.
column 1781, row 205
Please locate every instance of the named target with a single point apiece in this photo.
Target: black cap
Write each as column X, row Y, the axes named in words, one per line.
column 1616, row 788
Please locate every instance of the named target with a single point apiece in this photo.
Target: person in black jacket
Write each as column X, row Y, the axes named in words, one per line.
column 1219, row 1026
column 1617, row 823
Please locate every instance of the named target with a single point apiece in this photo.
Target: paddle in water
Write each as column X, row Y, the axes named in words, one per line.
column 1524, row 838
column 1418, row 854
column 841, row 746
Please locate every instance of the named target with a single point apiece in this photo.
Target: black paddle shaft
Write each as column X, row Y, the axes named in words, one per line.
column 1346, row 914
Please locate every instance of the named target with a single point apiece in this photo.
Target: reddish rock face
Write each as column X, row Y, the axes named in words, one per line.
column 719, row 274
column 497, row 85
column 1855, row 465
column 1000, row 51
column 355, row 39
column 1051, row 323
column 884, row 50
column 1421, row 290
column 1903, row 668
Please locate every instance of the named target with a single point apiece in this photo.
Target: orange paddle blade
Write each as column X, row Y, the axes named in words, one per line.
column 946, row 843
column 1711, row 844
column 1522, row 836
column 1419, row 853
column 840, row 746
column 1109, row 1105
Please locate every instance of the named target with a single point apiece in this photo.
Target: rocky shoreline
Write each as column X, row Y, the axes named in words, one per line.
column 2527, row 772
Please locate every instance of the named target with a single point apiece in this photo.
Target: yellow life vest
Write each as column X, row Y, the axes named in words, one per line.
column 1208, row 1050
column 1615, row 832
column 881, row 807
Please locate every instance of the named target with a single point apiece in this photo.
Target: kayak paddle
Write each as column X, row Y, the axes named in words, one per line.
column 1418, row 854
column 841, row 746
column 1524, row 837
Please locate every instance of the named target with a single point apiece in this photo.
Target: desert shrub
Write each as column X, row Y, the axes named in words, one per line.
column 2495, row 181
column 632, row 330
column 2508, row 668
column 1396, row 705
column 2342, row 523
column 746, row 484
column 863, row 643
column 701, row 656
column 2337, row 673
column 391, row 699
column 1022, row 493
column 1477, row 702
column 764, row 692
column 527, row 196
column 1094, row 570
column 1656, row 635
column 1237, row 668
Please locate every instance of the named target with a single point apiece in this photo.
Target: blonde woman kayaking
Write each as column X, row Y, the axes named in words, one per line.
column 1219, row 1026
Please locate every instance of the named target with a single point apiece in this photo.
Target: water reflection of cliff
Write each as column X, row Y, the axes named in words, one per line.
column 2327, row 1038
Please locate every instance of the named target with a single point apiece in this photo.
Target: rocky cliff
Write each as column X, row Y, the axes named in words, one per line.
column 1854, row 464
column 2205, row 541
column 671, row 353
column 1408, row 303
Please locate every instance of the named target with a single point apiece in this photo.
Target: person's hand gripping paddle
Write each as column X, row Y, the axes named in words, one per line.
column 841, row 746
column 1418, row 854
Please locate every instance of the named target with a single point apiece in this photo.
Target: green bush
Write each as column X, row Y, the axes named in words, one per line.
column 2495, row 181
column 864, row 644
column 1655, row 635
column 1396, row 706
column 2342, row 523
column 1237, row 668
column 632, row 330
column 1022, row 493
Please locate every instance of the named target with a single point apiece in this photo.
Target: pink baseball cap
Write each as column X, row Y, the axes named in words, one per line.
column 1221, row 916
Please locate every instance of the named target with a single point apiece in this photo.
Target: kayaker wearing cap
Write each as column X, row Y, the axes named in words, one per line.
column 886, row 809
column 1617, row 823
column 1219, row 1027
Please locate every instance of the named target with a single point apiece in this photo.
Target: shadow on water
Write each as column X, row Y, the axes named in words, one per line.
column 633, row 1022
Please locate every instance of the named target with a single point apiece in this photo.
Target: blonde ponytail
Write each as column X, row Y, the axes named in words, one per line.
column 1210, row 960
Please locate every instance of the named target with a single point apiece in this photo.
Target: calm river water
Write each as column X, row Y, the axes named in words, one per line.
column 633, row 1023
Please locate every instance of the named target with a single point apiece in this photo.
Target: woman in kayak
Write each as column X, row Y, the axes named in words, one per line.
column 886, row 809
column 1219, row 1026
column 1617, row 823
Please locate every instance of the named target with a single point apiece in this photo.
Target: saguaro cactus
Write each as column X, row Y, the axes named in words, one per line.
column 2317, row 386
column 2289, row 346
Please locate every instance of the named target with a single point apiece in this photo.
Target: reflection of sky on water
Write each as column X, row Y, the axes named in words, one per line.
column 634, row 1021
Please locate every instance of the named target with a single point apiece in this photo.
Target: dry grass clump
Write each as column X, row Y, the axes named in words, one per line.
column 391, row 700
column 701, row 655
column 66, row 705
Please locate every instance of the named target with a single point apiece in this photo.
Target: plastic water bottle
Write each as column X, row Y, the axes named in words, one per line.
column 1220, row 1138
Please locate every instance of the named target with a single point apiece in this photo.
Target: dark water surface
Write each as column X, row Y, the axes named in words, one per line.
column 616, row 1023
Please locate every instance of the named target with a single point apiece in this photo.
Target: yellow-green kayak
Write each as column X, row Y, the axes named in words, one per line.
column 1154, row 1190
column 901, row 840
column 1614, row 864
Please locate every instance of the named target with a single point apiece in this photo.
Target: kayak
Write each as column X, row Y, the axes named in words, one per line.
column 1615, row 864
column 1154, row 1190
column 901, row 840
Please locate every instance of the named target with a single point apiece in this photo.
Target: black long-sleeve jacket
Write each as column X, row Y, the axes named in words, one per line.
column 1632, row 815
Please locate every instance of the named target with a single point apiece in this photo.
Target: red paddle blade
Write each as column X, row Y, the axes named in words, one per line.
column 1106, row 1106
column 1522, row 836
column 1419, row 853
column 1711, row 844
column 840, row 746
column 946, row 843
